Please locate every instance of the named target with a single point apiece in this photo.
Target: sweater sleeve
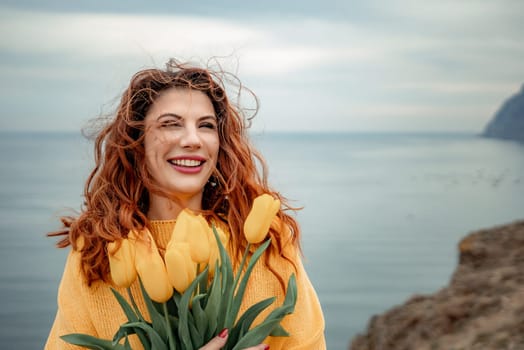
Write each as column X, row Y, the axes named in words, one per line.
column 306, row 323
column 72, row 315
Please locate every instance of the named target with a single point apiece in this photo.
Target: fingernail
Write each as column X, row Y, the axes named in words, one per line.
column 223, row 334
column 266, row 347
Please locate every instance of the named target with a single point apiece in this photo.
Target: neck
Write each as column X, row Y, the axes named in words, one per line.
column 162, row 208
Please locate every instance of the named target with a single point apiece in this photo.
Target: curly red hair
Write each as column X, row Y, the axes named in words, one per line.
column 117, row 189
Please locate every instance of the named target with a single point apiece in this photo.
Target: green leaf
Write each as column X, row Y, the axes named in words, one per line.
column 90, row 342
column 132, row 316
column 245, row 321
column 213, row 304
column 197, row 340
column 124, row 332
column 157, row 343
column 127, row 346
column 185, row 318
column 256, row 335
column 237, row 301
column 202, row 288
column 171, row 340
column 173, row 321
column 157, row 318
column 128, row 310
column 133, row 303
column 226, row 283
column 272, row 321
column 279, row 331
column 199, row 315
column 291, row 292
column 176, row 299
column 289, row 301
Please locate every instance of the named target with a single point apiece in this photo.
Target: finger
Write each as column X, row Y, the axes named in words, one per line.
column 259, row 347
column 217, row 342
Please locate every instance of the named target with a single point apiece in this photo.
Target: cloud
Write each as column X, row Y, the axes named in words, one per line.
column 438, row 61
column 105, row 35
column 263, row 47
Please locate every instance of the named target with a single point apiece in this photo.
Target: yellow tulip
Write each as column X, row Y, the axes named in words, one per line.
column 122, row 262
column 181, row 269
column 259, row 219
column 198, row 240
column 191, row 265
column 182, row 226
column 151, row 268
column 194, row 230
column 214, row 254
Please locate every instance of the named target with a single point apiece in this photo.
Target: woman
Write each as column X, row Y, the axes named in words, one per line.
column 176, row 142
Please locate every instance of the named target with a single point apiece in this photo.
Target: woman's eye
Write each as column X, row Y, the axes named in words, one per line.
column 169, row 123
column 208, row 125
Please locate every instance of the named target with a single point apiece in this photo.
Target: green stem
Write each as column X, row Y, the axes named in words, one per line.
column 133, row 302
column 171, row 337
column 197, row 290
column 241, row 267
column 228, row 318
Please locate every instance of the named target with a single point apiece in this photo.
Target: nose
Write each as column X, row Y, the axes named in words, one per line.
column 190, row 138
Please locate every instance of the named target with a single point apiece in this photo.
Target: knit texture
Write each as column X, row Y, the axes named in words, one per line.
column 94, row 309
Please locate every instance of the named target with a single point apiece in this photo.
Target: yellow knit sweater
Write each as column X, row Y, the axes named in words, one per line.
column 94, row 309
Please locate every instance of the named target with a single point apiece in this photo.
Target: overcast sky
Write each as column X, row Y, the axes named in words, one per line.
column 369, row 65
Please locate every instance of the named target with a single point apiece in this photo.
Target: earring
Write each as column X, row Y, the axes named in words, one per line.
column 212, row 181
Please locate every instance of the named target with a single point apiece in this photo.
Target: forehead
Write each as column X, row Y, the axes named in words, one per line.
column 182, row 101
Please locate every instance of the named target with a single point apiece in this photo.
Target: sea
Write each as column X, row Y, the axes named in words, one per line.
column 381, row 217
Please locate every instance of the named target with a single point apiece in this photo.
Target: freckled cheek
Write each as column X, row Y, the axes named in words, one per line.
column 150, row 161
column 154, row 150
column 160, row 138
column 156, row 142
column 215, row 148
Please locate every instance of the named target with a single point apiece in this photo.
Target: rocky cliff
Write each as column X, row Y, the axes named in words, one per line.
column 481, row 308
column 508, row 122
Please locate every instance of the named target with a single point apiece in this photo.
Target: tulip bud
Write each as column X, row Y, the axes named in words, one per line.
column 178, row 264
column 182, row 267
column 182, row 226
column 191, row 265
column 122, row 263
column 193, row 229
column 151, row 268
column 214, row 254
column 198, row 239
column 259, row 219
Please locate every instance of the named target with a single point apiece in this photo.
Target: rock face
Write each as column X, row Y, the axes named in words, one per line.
column 482, row 308
column 508, row 122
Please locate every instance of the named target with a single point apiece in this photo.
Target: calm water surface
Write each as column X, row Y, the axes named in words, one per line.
column 382, row 216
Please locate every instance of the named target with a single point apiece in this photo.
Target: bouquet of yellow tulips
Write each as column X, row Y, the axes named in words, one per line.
column 193, row 293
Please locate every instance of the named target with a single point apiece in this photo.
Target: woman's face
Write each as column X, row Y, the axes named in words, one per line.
column 181, row 142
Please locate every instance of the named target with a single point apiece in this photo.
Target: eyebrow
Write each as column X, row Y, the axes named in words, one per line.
column 214, row 117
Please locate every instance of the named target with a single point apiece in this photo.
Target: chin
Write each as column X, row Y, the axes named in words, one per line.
column 187, row 191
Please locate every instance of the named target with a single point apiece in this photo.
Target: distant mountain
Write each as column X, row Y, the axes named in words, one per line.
column 508, row 122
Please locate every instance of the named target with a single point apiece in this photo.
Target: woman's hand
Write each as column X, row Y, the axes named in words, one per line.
column 220, row 340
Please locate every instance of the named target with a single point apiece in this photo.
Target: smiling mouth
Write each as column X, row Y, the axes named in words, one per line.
column 188, row 163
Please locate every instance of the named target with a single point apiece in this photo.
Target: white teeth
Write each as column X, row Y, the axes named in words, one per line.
column 186, row 162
